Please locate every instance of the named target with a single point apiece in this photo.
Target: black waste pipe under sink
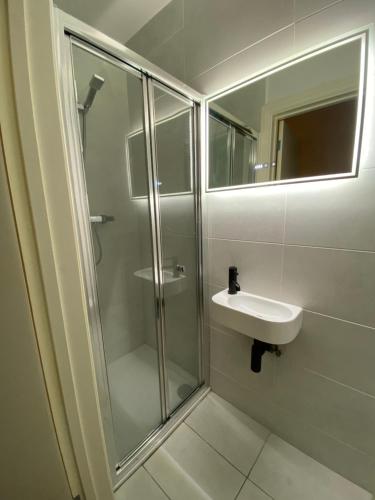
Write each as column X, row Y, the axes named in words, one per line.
column 257, row 350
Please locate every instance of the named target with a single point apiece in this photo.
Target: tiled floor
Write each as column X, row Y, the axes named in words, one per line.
column 220, row 453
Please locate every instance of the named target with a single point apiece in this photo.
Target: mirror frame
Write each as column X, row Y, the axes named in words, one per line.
column 361, row 35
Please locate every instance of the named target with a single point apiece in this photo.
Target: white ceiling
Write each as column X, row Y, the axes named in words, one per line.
column 119, row 19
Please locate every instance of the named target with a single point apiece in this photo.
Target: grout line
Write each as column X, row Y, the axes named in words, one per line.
column 280, row 243
column 259, row 454
column 261, row 489
column 303, row 18
column 177, row 30
column 336, row 249
column 239, row 491
column 339, row 319
column 257, row 42
column 215, row 450
column 320, row 247
column 334, row 381
column 219, row 329
column 157, row 484
column 294, row 25
column 291, row 415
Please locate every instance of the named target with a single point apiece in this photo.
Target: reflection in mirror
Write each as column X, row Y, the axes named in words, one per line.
column 168, row 131
column 299, row 121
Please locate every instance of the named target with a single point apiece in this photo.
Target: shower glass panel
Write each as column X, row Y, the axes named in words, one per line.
column 110, row 107
column 220, row 152
column 244, row 157
column 174, row 155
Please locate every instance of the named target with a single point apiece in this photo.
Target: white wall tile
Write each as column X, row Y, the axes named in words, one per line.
column 259, row 265
column 344, row 459
column 171, row 56
column 247, row 63
column 247, row 214
column 231, row 354
column 338, row 410
column 304, row 8
column 342, row 17
column 206, row 24
column 367, row 157
column 336, row 213
column 256, row 403
column 288, row 474
column 337, row 349
column 337, row 283
column 159, row 29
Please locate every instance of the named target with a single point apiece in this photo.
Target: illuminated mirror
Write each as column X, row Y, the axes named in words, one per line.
column 298, row 122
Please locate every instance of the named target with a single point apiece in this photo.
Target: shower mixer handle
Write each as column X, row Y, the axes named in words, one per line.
column 101, row 219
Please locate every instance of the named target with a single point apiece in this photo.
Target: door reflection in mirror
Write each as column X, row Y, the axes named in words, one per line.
column 298, row 122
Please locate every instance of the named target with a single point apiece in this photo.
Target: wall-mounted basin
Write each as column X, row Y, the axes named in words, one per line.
column 173, row 285
column 263, row 319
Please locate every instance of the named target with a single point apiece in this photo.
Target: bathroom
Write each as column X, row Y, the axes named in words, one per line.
column 188, row 242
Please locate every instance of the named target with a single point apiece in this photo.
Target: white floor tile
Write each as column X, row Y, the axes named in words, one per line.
column 140, row 486
column 286, row 473
column 251, row 492
column 188, row 468
column 232, row 433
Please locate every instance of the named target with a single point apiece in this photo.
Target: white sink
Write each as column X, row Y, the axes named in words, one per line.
column 264, row 319
column 172, row 284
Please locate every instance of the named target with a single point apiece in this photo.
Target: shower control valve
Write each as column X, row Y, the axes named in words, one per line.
column 180, row 268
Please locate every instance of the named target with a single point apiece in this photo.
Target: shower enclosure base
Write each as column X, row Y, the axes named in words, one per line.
column 158, row 437
column 134, row 411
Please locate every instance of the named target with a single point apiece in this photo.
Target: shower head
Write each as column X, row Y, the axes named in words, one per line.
column 95, row 84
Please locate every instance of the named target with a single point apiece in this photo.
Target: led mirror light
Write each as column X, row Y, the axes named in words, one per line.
column 298, row 122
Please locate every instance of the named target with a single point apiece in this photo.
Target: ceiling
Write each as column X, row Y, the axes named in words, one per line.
column 119, row 19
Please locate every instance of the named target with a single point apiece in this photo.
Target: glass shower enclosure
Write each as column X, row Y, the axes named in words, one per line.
column 136, row 196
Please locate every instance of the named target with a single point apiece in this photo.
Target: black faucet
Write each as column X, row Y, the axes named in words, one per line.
column 233, row 286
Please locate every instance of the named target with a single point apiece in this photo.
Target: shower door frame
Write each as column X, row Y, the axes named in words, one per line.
column 70, row 31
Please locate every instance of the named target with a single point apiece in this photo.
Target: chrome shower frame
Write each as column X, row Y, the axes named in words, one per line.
column 70, row 31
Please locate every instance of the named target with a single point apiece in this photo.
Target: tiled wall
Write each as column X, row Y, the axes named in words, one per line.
column 308, row 244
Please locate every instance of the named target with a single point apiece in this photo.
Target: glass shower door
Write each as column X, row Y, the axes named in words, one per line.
column 110, row 104
column 174, row 157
